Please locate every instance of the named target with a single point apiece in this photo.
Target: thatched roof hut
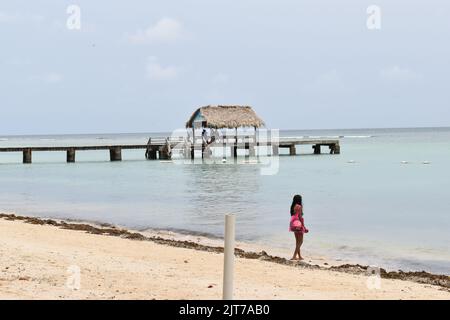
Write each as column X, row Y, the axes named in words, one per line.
column 220, row 117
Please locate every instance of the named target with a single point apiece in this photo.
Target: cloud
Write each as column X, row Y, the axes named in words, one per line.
column 50, row 78
column 399, row 74
column 156, row 71
column 166, row 30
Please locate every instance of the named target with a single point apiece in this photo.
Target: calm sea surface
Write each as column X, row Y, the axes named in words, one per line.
column 366, row 204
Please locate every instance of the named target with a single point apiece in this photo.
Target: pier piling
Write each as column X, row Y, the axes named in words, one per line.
column 27, row 155
column 316, row 148
column 151, row 153
column 337, row 148
column 164, row 154
column 71, row 155
column 292, row 150
column 115, row 154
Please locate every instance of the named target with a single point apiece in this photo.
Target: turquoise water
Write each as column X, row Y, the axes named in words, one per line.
column 364, row 205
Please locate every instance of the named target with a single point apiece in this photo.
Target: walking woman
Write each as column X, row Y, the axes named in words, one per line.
column 297, row 225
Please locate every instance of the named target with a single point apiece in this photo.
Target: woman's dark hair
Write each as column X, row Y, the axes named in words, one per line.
column 297, row 200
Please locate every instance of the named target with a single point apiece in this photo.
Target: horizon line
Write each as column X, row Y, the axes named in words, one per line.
column 153, row 132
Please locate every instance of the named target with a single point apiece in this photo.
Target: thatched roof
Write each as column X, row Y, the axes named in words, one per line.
column 219, row 117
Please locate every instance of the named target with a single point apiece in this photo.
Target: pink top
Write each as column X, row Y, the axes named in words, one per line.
column 298, row 215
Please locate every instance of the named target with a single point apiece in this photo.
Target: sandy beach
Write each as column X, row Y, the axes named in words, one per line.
column 38, row 259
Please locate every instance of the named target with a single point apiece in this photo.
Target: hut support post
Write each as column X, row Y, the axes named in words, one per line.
column 115, row 154
column 235, row 146
column 316, row 148
column 254, row 145
column 193, row 144
column 292, row 150
column 337, row 148
column 224, row 147
column 27, row 156
column 70, row 155
column 247, row 146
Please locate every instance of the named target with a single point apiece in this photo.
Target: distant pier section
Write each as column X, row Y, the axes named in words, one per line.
column 162, row 148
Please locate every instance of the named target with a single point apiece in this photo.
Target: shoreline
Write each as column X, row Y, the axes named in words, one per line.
column 104, row 229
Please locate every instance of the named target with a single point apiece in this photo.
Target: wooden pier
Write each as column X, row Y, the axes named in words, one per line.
column 115, row 151
column 161, row 148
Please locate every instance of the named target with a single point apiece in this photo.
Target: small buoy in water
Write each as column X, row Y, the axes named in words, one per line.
column 224, row 160
column 426, row 162
column 404, row 162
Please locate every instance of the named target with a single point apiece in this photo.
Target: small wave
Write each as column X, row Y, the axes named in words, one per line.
column 357, row 137
column 323, row 137
column 47, row 139
column 4, row 139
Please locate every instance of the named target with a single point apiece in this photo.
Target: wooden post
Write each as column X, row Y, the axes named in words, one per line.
column 337, row 148
column 292, row 150
column 115, row 154
column 316, row 148
column 228, row 264
column 193, row 142
column 165, row 152
column 246, row 147
column 235, row 143
column 27, row 155
column 149, row 146
column 152, row 153
column 224, row 147
column 71, row 155
column 254, row 146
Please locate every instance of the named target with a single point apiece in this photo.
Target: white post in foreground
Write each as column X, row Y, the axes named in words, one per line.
column 228, row 265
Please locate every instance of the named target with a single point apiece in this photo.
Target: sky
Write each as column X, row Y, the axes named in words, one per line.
column 145, row 66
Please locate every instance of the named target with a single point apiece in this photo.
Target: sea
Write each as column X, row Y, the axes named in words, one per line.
column 384, row 201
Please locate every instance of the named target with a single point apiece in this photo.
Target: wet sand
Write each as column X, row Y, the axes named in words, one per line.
column 39, row 259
